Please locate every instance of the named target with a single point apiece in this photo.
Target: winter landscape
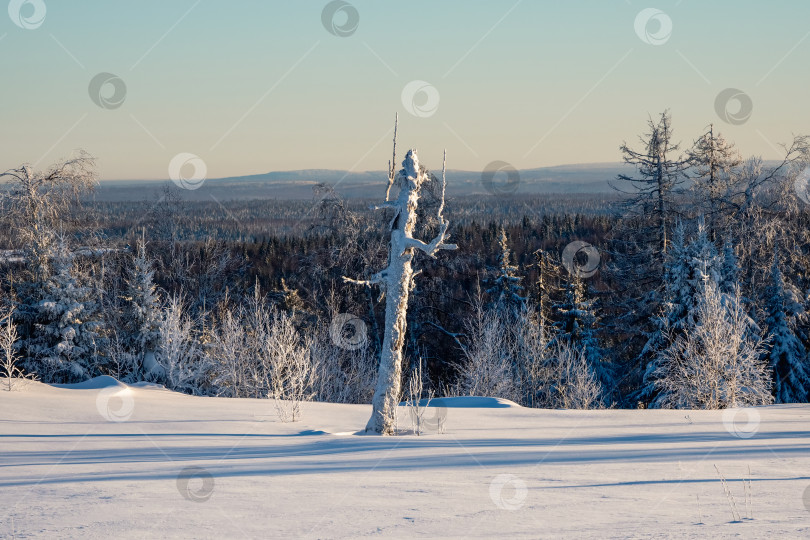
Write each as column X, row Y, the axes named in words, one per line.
column 260, row 278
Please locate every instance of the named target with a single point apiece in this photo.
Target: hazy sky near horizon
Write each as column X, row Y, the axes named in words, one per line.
column 258, row 86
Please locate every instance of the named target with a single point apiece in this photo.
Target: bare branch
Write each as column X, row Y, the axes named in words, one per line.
column 393, row 163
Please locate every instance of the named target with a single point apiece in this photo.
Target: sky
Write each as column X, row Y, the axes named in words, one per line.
column 255, row 86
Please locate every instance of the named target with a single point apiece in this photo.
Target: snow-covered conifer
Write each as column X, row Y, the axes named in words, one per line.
column 143, row 320
column 64, row 345
column 547, row 271
column 730, row 268
column 506, row 290
column 659, row 175
column 785, row 354
column 577, row 325
column 687, row 268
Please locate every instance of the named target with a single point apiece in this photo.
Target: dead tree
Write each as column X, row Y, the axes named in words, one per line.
column 652, row 190
column 396, row 281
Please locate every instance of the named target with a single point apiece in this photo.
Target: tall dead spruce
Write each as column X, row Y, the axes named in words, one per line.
column 396, row 280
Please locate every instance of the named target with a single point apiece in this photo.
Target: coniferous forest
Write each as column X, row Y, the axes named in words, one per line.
column 687, row 287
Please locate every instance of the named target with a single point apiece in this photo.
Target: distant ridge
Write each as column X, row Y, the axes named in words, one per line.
column 581, row 178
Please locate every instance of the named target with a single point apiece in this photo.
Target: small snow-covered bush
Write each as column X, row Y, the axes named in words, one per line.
column 569, row 380
column 414, row 403
column 342, row 375
column 178, row 353
column 8, row 355
column 258, row 352
column 291, row 362
column 487, row 368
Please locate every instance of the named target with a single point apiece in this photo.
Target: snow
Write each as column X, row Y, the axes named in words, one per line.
column 470, row 402
column 172, row 465
column 96, row 383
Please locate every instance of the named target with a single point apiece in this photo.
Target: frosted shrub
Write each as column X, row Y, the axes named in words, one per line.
column 228, row 351
column 414, row 403
column 342, row 375
column 717, row 363
column 487, row 366
column 8, row 356
column 570, row 382
column 291, row 367
column 533, row 350
column 178, row 353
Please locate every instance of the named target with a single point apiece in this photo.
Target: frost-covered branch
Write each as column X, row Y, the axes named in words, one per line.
column 376, row 279
column 435, row 245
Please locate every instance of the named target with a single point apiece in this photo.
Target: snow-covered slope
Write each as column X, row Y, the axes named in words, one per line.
column 104, row 460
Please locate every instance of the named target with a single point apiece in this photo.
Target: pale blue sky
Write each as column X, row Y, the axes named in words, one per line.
column 255, row 86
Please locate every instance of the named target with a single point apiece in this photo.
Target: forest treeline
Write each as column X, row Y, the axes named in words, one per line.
column 698, row 297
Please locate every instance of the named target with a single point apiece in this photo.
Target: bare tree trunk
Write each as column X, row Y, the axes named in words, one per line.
column 662, row 209
column 389, row 376
column 396, row 280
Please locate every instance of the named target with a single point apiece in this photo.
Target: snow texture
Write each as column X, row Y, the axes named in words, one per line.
column 178, row 466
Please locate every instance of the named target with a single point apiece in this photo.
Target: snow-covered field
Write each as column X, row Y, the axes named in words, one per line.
column 113, row 461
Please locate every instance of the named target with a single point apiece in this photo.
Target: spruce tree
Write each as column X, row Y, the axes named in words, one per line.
column 547, row 274
column 730, row 268
column 674, row 309
column 506, row 289
column 143, row 321
column 686, row 269
column 577, row 326
column 786, row 355
column 659, row 174
column 64, row 346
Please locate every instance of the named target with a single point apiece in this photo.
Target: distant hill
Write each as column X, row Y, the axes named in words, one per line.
column 584, row 178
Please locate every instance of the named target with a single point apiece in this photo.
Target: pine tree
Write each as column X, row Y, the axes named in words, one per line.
column 573, row 310
column 703, row 259
column 674, row 308
column 730, row 268
column 786, row 355
column 547, row 272
column 543, row 284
